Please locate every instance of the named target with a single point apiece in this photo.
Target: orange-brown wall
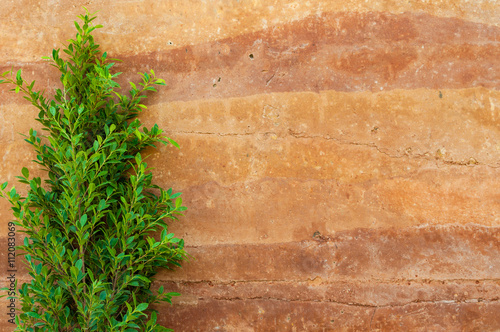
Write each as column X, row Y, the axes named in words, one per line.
column 340, row 159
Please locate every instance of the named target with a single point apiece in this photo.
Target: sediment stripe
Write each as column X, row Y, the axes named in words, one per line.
column 162, row 25
column 362, row 294
column 452, row 252
column 333, row 51
column 272, row 315
column 276, row 315
column 418, row 255
column 454, row 126
column 450, row 125
column 242, row 213
column 230, row 159
column 371, row 293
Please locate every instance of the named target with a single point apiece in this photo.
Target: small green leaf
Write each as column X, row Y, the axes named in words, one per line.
column 174, row 143
column 79, row 264
column 83, row 220
column 18, row 77
column 109, row 191
column 138, row 134
column 26, row 172
column 142, row 307
column 102, row 205
column 178, row 202
column 77, row 26
column 138, row 158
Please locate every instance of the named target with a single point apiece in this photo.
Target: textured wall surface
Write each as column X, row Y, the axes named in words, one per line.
column 340, row 159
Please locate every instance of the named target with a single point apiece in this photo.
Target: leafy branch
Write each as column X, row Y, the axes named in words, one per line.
column 89, row 244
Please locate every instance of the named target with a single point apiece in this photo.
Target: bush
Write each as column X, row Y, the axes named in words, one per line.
column 88, row 245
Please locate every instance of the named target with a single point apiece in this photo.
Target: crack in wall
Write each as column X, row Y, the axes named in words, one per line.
column 426, row 155
column 346, row 281
column 471, row 162
column 371, row 319
column 211, row 133
column 356, row 304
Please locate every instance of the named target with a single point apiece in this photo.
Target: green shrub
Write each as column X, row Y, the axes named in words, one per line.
column 89, row 247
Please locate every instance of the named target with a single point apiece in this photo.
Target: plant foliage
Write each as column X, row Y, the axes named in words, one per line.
column 89, row 247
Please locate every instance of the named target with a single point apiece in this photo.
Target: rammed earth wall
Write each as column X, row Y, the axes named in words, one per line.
column 340, row 159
